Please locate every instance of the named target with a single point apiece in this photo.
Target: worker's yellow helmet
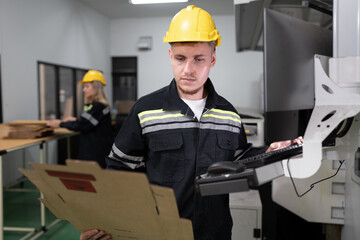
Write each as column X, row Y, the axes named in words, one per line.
column 93, row 75
column 192, row 24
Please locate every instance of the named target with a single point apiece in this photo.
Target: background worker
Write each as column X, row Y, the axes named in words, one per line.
column 94, row 124
column 175, row 133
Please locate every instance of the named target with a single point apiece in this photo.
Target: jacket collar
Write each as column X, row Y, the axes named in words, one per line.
column 172, row 101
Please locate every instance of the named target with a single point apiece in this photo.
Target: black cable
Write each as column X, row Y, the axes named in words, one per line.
column 313, row 184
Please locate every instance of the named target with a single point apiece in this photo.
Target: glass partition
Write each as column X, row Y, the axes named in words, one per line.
column 47, row 92
column 66, row 92
column 1, row 118
column 60, row 95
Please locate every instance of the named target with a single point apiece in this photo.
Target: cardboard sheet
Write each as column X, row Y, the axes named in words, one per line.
column 28, row 129
column 121, row 203
column 7, row 144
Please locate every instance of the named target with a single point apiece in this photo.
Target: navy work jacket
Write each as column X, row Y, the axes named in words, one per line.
column 95, row 129
column 163, row 138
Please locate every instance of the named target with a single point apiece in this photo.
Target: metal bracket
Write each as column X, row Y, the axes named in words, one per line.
column 333, row 104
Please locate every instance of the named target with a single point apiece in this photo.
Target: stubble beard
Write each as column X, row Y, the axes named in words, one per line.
column 192, row 92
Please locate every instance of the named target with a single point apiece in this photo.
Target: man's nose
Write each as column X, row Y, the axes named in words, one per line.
column 189, row 66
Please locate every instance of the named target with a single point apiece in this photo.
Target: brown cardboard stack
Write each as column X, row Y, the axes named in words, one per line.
column 122, row 203
column 28, row 129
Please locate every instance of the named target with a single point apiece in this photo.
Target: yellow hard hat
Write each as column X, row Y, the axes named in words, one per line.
column 192, row 24
column 93, row 75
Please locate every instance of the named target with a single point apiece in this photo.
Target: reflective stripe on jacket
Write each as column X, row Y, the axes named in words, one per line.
column 162, row 137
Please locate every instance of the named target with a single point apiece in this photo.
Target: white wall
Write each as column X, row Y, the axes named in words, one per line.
column 63, row 32
column 236, row 76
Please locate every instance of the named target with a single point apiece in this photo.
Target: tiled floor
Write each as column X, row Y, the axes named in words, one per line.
column 22, row 209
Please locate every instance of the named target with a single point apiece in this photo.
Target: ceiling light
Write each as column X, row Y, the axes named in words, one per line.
column 155, row 1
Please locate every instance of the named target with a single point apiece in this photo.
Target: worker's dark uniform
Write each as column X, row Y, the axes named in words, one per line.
column 163, row 137
column 96, row 138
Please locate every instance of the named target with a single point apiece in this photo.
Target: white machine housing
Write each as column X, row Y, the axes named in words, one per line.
column 337, row 93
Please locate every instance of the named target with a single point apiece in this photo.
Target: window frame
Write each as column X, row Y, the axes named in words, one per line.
column 1, row 108
column 57, row 68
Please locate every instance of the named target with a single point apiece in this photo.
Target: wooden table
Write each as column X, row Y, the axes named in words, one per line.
column 10, row 145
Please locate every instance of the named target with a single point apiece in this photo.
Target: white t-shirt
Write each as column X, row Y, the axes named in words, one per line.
column 197, row 106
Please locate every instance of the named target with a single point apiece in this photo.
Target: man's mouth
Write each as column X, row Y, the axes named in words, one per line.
column 187, row 79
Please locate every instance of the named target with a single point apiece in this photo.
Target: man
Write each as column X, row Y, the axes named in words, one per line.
column 175, row 133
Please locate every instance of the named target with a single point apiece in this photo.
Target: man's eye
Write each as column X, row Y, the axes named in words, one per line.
column 180, row 58
column 200, row 60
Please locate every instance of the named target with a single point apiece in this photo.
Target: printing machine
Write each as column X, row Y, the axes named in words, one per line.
column 337, row 100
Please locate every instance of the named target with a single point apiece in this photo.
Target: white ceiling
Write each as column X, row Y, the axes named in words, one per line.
column 123, row 9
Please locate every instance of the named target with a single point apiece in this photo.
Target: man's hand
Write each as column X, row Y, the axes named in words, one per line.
column 94, row 234
column 283, row 144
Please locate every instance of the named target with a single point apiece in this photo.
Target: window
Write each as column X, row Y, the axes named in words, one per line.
column 124, row 71
column 60, row 94
column 1, row 117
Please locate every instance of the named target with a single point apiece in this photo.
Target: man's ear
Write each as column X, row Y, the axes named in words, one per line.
column 170, row 53
column 213, row 59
